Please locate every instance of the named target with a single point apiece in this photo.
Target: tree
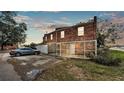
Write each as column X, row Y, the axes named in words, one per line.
column 11, row 31
column 18, row 34
column 107, row 32
column 6, row 25
column 100, row 39
column 33, row 45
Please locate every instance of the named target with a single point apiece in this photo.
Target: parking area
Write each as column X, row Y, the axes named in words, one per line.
column 24, row 65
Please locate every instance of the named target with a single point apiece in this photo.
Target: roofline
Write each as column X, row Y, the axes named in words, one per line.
column 76, row 25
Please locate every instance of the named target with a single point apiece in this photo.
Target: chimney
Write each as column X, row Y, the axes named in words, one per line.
column 95, row 19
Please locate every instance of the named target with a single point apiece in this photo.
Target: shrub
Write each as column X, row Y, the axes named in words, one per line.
column 109, row 61
column 90, row 54
column 103, row 51
column 100, row 51
column 115, row 61
column 104, row 57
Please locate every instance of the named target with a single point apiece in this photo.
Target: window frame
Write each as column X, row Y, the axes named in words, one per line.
column 45, row 38
column 80, row 32
column 62, row 34
column 51, row 37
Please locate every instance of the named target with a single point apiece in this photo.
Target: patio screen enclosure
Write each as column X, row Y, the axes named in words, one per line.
column 75, row 49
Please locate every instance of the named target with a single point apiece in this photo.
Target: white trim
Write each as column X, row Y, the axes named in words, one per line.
column 76, row 56
column 62, row 34
column 51, row 37
column 80, row 31
column 60, row 50
column 74, row 41
column 84, row 48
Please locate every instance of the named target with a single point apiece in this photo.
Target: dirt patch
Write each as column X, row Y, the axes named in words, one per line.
column 56, row 72
column 24, row 66
column 64, row 71
column 77, row 72
column 21, row 69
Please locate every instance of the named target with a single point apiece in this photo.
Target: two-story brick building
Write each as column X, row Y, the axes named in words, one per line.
column 74, row 41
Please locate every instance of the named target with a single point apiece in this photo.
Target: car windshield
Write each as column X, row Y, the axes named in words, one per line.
column 28, row 48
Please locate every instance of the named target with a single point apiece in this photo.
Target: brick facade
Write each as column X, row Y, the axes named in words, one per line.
column 75, row 43
column 71, row 33
column 9, row 47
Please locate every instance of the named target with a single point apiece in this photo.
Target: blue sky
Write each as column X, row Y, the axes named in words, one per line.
column 43, row 22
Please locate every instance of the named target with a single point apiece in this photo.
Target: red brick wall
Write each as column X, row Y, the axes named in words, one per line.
column 71, row 33
column 7, row 47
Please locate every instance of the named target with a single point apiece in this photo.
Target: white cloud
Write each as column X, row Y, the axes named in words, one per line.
column 62, row 22
column 41, row 24
column 64, row 18
column 21, row 18
column 113, row 17
column 108, row 14
column 118, row 20
column 48, row 26
column 35, row 40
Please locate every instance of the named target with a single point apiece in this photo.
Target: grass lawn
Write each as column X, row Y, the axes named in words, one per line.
column 117, row 54
column 75, row 69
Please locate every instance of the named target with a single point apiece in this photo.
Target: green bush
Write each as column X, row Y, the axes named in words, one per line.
column 109, row 61
column 103, row 51
column 104, row 57
column 115, row 61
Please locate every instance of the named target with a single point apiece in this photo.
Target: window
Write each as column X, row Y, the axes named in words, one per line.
column 80, row 31
column 51, row 36
column 26, row 48
column 46, row 38
column 62, row 34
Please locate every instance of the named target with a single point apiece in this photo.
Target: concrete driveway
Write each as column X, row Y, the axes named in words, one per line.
column 7, row 72
column 35, row 60
column 15, row 68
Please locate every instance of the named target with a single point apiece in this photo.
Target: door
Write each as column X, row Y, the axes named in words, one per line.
column 27, row 51
column 23, row 51
column 72, row 49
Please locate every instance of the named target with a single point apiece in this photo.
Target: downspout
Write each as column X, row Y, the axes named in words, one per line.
column 95, row 25
column 56, row 43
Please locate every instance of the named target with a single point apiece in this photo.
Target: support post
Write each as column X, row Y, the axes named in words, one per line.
column 95, row 47
column 60, row 50
column 84, row 49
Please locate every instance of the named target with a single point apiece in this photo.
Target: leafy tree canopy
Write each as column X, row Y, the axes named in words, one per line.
column 11, row 32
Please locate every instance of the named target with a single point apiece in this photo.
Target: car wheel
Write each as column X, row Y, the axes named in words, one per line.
column 18, row 54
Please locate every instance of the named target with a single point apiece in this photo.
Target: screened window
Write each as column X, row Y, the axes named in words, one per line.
column 80, row 31
column 62, row 34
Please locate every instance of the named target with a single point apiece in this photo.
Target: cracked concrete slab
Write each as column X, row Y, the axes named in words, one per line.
column 41, row 62
column 7, row 72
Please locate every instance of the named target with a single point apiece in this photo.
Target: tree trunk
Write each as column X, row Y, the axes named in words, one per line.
column 2, row 46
